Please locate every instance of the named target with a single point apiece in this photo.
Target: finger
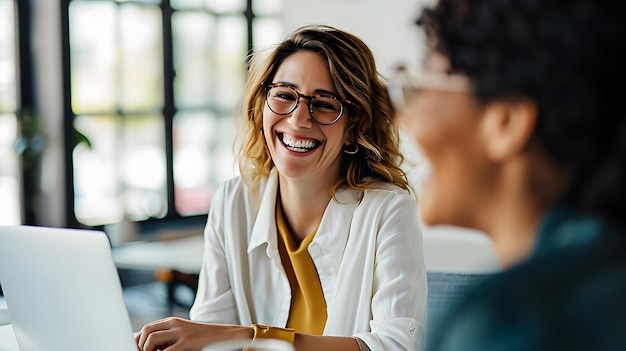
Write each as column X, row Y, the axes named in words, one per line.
column 151, row 327
column 160, row 340
column 141, row 337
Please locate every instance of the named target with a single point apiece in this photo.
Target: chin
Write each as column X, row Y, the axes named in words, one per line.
column 428, row 216
column 436, row 214
column 431, row 221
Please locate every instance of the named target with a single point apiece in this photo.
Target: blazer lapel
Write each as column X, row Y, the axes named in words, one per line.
column 264, row 229
column 334, row 229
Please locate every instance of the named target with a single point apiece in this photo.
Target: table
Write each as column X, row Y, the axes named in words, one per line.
column 446, row 248
column 183, row 255
column 449, row 249
column 7, row 338
column 176, row 261
column 4, row 315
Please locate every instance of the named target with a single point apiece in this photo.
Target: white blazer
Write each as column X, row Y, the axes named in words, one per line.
column 367, row 251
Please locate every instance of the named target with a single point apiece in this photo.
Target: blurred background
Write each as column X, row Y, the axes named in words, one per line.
column 118, row 112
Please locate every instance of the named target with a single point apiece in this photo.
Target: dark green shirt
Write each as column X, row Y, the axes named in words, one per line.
column 569, row 295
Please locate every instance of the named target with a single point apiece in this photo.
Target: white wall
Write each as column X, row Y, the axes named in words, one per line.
column 387, row 27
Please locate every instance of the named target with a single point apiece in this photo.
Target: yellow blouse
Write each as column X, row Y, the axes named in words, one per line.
column 308, row 306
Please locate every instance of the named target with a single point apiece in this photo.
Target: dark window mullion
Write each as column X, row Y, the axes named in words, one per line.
column 68, row 128
column 26, row 96
column 26, row 105
column 249, row 19
column 168, row 104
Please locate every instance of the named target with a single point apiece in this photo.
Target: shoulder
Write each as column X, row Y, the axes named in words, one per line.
column 378, row 196
column 386, row 195
column 229, row 189
column 377, row 192
column 385, row 203
column 231, row 185
column 383, row 190
column 545, row 301
column 235, row 190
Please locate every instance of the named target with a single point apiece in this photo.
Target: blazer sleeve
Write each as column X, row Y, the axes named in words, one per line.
column 399, row 280
column 214, row 302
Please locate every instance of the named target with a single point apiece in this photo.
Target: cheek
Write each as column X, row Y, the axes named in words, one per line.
column 443, row 124
column 269, row 120
column 448, row 191
column 335, row 134
column 268, row 134
column 427, row 129
column 448, row 138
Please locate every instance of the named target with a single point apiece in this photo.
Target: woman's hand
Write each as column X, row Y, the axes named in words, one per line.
column 177, row 334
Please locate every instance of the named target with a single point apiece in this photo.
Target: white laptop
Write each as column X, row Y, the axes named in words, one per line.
column 62, row 290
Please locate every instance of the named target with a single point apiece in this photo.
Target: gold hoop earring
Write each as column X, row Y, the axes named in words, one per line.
column 351, row 152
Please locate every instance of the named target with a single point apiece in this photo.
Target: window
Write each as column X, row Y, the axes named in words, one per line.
column 10, row 174
column 153, row 88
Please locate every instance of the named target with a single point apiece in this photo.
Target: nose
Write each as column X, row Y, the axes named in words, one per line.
column 300, row 117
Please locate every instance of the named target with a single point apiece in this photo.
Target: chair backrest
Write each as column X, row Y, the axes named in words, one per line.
column 456, row 260
column 444, row 289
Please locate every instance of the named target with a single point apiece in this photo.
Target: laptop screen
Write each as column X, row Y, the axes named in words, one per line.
column 62, row 290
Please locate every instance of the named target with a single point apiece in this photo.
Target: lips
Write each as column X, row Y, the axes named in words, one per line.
column 298, row 145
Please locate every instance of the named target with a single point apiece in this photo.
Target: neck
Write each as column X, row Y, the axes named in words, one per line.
column 524, row 191
column 303, row 203
column 514, row 229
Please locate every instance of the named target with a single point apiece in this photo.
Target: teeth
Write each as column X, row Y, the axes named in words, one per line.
column 299, row 145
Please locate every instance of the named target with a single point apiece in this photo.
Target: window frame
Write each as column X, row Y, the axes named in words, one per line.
column 25, row 104
column 168, row 112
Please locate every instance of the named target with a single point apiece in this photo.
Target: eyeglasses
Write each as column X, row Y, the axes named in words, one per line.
column 325, row 109
column 407, row 83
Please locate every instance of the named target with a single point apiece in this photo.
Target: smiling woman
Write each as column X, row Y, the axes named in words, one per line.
column 320, row 235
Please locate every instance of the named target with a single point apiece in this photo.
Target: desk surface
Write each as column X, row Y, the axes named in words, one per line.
column 455, row 250
column 446, row 249
column 183, row 255
column 7, row 339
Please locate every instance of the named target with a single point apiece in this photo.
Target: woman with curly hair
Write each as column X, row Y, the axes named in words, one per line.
column 526, row 143
column 318, row 241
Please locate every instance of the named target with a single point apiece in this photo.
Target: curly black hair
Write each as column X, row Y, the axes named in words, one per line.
column 564, row 55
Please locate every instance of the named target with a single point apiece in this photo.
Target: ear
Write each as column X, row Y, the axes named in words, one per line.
column 348, row 137
column 507, row 127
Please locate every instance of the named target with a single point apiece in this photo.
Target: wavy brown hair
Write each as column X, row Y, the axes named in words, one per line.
column 354, row 73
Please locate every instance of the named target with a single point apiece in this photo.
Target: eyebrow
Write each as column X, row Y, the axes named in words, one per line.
column 315, row 92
